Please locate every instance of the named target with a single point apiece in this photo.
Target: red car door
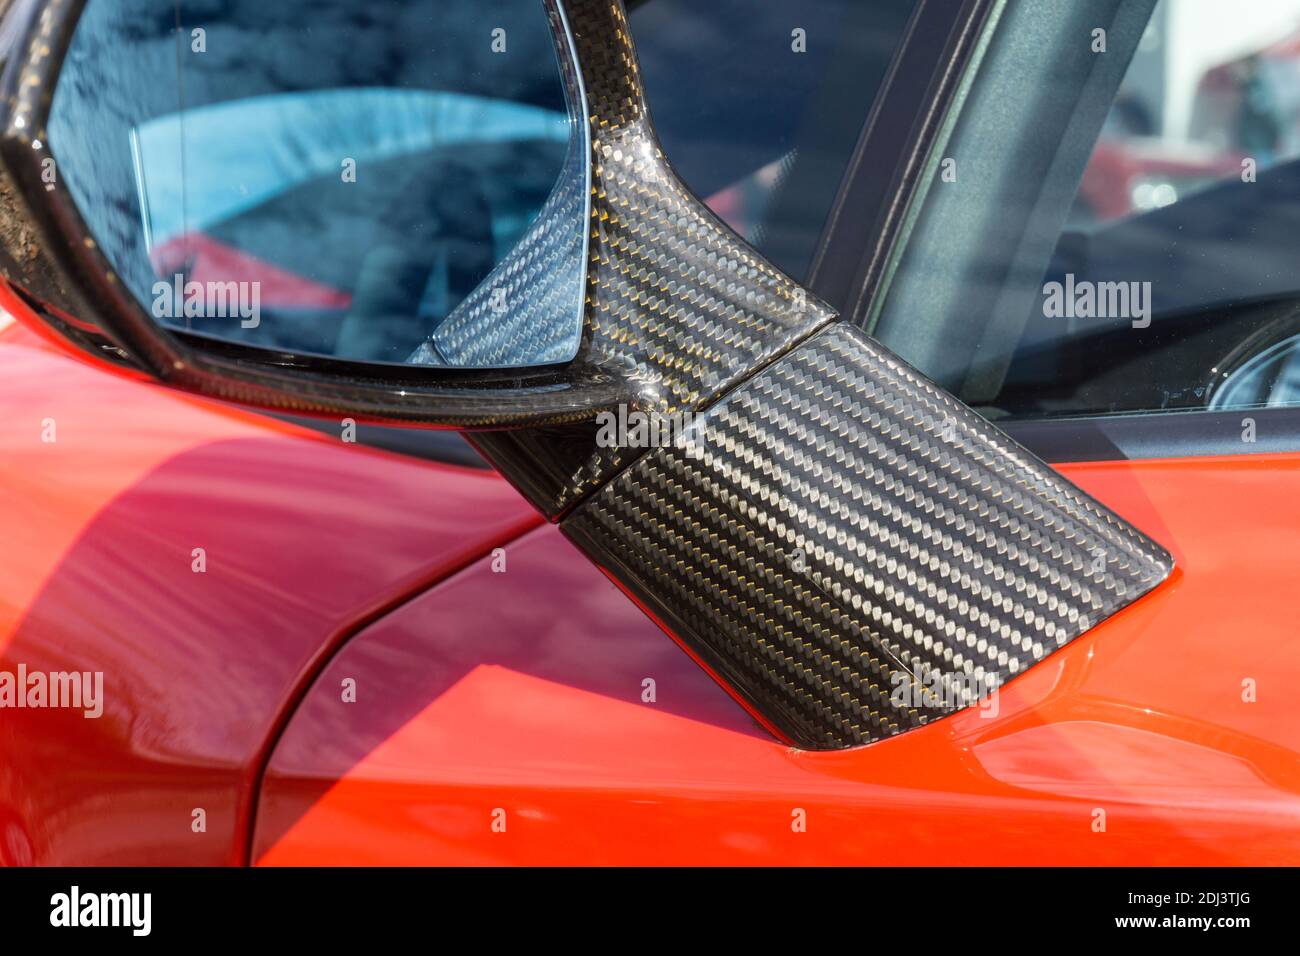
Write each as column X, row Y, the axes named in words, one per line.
column 202, row 560
column 490, row 729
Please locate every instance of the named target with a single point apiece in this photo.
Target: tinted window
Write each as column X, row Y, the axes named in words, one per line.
column 1140, row 255
column 759, row 104
column 1189, row 206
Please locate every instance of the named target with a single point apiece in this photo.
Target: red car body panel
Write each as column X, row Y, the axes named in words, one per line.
column 521, row 691
column 486, row 705
column 305, row 539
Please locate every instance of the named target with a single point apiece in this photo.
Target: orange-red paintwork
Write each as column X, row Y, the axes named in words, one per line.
column 532, row 704
column 303, row 539
column 521, row 690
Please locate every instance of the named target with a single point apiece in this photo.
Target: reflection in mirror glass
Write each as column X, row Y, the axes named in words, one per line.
column 403, row 183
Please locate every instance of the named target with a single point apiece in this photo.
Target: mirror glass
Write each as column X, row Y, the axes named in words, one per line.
column 400, row 182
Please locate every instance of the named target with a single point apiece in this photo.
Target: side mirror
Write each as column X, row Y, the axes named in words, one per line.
column 492, row 239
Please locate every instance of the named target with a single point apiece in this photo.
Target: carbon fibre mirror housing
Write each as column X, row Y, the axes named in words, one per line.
column 710, row 281
column 847, row 548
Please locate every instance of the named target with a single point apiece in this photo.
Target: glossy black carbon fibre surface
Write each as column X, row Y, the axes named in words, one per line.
column 527, row 304
column 677, row 304
column 856, row 551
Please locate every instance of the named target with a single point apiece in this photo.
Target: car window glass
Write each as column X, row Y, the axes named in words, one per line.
column 1172, row 283
column 1188, row 207
column 759, row 105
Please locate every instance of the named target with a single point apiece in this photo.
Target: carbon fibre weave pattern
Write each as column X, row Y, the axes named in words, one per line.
column 676, row 302
column 672, row 292
column 528, row 305
column 856, row 551
column 843, row 543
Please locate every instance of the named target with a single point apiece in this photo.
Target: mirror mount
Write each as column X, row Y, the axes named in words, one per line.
column 647, row 300
column 834, row 530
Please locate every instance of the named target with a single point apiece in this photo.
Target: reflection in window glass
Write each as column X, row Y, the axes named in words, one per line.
column 1122, row 237
column 1207, row 88
column 1190, row 202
